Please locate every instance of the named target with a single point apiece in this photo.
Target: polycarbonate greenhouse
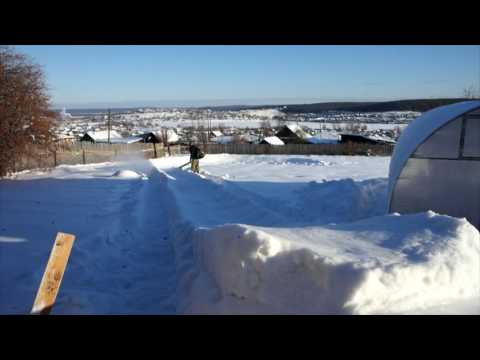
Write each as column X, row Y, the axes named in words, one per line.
column 436, row 164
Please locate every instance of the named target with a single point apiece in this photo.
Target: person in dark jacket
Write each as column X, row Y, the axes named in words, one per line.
column 195, row 155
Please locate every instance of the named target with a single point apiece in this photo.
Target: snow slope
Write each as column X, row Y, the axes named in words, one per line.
column 317, row 247
column 250, row 235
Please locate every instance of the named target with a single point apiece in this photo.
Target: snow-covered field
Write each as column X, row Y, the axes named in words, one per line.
column 251, row 234
column 258, row 123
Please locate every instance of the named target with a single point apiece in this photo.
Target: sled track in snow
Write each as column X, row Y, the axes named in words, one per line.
column 127, row 266
column 314, row 203
column 199, row 202
column 211, row 202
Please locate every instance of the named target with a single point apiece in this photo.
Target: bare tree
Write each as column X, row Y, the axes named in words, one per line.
column 266, row 128
column 469, row 92
column 164, row 139
column 202, row 135
column 281, row 121
column 25, row 118
column 353, row 128
column 397, row 131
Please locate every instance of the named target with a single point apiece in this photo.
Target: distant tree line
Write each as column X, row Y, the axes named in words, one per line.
column 420, row 105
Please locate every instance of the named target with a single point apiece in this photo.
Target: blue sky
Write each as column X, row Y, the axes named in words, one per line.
column 89, row 76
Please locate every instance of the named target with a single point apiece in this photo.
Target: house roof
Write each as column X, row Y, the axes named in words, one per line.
column 127, row 140
column 273, row 140
column 65, row 136
column 172, row 136
column 377, row 138
column 384, row 139
column 297, row 130
column 102, row 136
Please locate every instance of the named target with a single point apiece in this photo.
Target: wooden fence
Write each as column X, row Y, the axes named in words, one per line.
column 300, row 149
column 88, row 153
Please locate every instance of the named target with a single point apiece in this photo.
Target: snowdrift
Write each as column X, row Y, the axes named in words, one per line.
column 329, row 250
column 129, row 174
column 388, row 264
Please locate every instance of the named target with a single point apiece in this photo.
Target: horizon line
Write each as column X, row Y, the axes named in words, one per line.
column 210, row 103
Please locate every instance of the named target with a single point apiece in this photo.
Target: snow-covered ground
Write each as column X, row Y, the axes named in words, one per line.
column 122, row 259
column 251, row 234
column 258, row 123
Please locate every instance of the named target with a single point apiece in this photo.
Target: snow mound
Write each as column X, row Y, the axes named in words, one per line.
column 129, row 174
column 305, row 161
column 300, row 161
column 386, row 264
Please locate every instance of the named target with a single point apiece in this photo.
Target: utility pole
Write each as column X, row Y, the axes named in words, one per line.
column 209, row 128
column 108, row 126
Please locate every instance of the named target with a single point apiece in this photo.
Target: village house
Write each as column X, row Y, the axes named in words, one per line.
column 293, row 134
column 156, row 137
column 250, row 138
column 64, row 139
column 215, row 133
column 364, row 139
column 103, row 137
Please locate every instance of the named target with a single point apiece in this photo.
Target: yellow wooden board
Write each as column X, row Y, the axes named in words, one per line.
column 52, row 278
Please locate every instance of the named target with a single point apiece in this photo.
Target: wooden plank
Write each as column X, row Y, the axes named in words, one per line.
column 52, row 277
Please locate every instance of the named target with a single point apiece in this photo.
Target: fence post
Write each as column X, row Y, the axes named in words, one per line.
column 55, row 158
column 83, row 156
column 154, row 150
